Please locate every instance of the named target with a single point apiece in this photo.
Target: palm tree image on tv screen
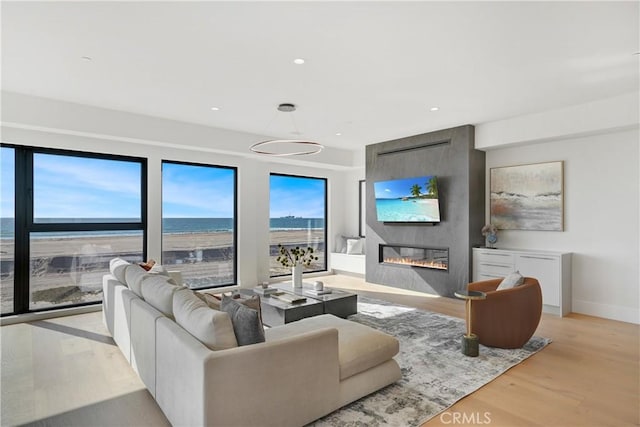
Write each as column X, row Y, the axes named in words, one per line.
column 408, row 200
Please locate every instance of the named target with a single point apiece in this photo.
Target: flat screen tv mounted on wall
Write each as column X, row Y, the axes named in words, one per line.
column 408, row 200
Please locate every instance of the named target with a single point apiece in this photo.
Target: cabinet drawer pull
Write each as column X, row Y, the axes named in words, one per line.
column 497, row 265
column 537, row 257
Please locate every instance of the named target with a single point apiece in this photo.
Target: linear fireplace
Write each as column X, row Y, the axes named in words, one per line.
column 414, row 256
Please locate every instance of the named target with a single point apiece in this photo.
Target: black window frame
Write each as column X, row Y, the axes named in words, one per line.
column 25, row 224
column 326, row 218
column 235, row 215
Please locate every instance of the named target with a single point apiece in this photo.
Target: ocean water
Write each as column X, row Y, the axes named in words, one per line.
column 171, row 226
column 398, row 210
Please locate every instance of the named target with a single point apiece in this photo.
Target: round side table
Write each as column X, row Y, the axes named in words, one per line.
column 470, row 340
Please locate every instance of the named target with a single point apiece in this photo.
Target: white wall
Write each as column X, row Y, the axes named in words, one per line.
column 253, row 190
column 602, row 193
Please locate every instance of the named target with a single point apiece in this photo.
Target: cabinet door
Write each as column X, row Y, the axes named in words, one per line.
column 547, row 270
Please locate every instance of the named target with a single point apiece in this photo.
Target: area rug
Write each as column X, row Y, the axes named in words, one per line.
column 435, row 374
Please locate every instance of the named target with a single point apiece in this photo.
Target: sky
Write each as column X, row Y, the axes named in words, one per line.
column 193, row 191
column 399, row 187
column 297, row 196
column 81, row 187
column 7, row 172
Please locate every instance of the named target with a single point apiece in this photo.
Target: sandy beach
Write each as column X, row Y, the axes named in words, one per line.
column 69, row 270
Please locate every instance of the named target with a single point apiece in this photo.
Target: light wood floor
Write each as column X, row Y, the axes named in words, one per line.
column 68, row 372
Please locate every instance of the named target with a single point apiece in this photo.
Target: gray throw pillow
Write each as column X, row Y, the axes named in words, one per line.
column 246, row 321
column 511, row 281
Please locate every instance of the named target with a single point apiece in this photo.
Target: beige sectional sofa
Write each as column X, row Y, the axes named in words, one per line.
column 303, row 371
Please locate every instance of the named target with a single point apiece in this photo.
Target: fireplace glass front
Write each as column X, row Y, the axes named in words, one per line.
column 412, row 256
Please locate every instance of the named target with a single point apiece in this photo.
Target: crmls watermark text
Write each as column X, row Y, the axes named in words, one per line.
column 465, row 418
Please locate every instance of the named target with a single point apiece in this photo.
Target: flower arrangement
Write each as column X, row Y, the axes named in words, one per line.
column 488, row 229
column 295, row 256
column 490, row 233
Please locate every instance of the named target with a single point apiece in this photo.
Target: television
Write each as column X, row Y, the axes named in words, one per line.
column 408, row 200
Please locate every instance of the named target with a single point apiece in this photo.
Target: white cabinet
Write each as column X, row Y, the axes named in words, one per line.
column 350, row 263
column 552, row 269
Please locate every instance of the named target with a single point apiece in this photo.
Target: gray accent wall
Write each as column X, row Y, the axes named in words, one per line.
column 460, row 169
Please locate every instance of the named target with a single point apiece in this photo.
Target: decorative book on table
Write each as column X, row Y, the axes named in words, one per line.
column 316, row 293
column 264, row 291
column 290, row 298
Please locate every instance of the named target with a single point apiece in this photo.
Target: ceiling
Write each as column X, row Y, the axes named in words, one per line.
column 373, row 70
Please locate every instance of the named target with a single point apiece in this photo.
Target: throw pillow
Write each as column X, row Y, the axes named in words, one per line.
column 341, row 243
column 210, row 300
column 213, row 301
column 354, row 246
column 511, row 281
column 148, row 265
column 117, row 267
column 246, row 321
column 212, row 328
column 252, row 302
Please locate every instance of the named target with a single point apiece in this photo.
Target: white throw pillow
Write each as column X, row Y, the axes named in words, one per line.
column 341, row 243
column 211, row 327
column 511, row 281
column 117, row 267
column 354, row 246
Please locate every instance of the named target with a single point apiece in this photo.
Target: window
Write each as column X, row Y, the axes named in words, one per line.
column 298, row 212
column 199, row 223
column 7, row 227
column 84, row 210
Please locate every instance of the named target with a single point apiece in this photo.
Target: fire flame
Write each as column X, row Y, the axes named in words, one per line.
column 439, row 265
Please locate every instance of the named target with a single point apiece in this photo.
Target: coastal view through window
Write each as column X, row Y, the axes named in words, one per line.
column 297, row 213
column 86, row 211
column 7, row 228
column 198, row 223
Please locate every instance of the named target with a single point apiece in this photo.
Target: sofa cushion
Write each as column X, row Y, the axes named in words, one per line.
column 117, row 267
column 246, row 321
column 359, row 347
column 133, row 278
column 158, row 292
column 211, row 327
column 511, row 281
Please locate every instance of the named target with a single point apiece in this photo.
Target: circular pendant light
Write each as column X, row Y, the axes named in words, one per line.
column 287, row 147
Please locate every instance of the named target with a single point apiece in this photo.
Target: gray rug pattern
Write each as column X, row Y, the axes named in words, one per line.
column 435, row 374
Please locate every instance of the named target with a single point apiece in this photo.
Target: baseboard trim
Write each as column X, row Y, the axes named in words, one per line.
column 607, row 311
column 49, row 314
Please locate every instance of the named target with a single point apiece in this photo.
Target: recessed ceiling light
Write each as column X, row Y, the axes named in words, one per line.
column 434, row 109
column 215, row 108
column 338, row 134
column 86, row 58
column 298, row 61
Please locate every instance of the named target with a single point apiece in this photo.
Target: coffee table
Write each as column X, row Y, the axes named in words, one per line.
column 276, row 312
column 339, row 303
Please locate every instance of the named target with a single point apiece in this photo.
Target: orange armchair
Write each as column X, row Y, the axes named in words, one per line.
column 506, row 318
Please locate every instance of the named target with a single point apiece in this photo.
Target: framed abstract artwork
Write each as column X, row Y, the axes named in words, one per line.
column 528, row 197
